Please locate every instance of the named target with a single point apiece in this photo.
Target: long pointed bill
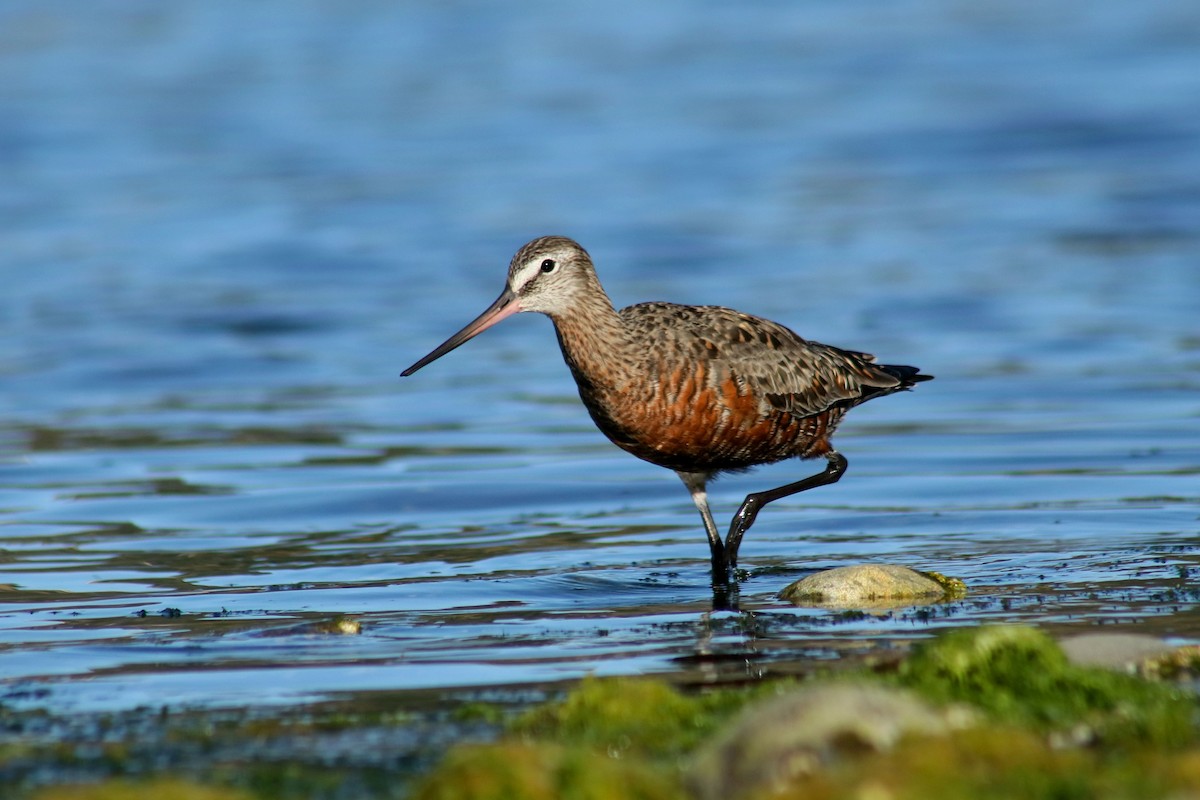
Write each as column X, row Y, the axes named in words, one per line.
column 505, row 306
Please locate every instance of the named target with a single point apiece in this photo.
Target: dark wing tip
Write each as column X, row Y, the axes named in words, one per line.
column 905, row 374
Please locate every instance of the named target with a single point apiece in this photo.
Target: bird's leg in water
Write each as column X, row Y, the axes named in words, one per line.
column 745, row 515
column 695, row 483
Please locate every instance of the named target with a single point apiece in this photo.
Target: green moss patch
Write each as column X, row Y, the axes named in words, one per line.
column 1041, row 728
column 990, row 712
column 543, row 771
column 1019, row 675
column 642, row 716
column 161, row 789
column 1000, row 763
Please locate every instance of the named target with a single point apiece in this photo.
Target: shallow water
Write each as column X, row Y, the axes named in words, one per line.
column 225, row 229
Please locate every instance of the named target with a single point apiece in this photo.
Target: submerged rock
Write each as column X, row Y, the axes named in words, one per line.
column 872, row 586
column 339, row 625
column 794, row 734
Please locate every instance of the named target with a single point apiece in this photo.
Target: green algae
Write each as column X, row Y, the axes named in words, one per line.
column 543, row 771
column 640, row 715
column 606, row 738
column 158, row 789
column 1039, row 727
column 1182, row 663
column 1018, row 674
column 1000, row 763
column 954, row 588
column 1046, row 729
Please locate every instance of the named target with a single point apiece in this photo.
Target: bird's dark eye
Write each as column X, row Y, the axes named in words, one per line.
column 549, row 265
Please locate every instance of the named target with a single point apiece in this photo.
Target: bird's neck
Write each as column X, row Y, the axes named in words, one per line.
column 595, row 342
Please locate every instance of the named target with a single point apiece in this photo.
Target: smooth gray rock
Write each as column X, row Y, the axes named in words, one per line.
column 1113, row 650
column 871, row 586
column 778, row 739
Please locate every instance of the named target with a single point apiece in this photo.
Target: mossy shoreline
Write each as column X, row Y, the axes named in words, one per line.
column 996, row 711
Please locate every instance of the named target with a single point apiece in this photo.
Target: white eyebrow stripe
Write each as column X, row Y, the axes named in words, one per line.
column 525, row 274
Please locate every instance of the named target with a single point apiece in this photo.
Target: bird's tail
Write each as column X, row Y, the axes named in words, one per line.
column 908, row 376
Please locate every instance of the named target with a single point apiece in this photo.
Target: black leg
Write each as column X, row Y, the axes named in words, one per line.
column 745, row 515
column 720, row 563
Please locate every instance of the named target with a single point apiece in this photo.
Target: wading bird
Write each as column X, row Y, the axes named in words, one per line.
column 700, row 390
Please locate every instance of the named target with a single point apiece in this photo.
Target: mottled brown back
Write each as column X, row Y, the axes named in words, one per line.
column 711, row 389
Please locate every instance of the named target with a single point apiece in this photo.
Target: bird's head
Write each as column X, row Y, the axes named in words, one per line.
column 549, row 275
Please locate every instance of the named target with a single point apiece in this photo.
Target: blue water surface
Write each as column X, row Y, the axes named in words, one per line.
column 225, row 228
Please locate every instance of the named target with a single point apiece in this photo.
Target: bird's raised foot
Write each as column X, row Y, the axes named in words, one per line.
column 741, row 523
column 748, row 512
